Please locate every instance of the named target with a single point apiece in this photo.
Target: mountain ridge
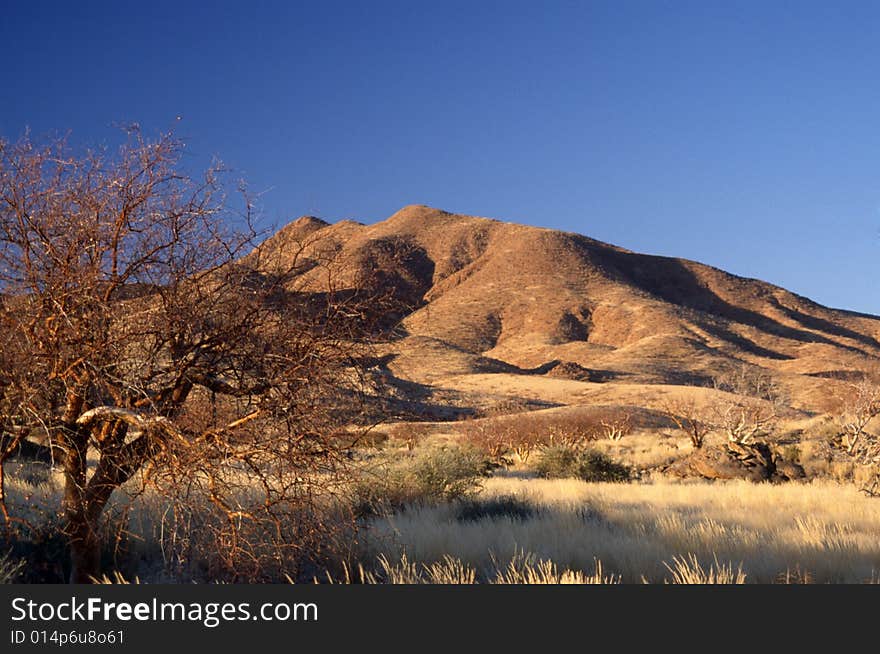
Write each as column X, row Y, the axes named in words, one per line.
column 526, row 297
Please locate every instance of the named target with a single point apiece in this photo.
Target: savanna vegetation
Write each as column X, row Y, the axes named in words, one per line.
column 182, row 401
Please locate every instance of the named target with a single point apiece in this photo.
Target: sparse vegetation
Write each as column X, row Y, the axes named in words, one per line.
column 207, row 409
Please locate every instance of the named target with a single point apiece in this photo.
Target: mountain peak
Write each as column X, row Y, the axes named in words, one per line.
column 311, row 223
column 528, row 297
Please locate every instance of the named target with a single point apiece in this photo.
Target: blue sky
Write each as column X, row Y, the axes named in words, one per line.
column 742, row 134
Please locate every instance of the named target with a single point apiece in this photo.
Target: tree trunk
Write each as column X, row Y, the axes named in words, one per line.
column 82, row 538
column 85, row 553
column 85, row 500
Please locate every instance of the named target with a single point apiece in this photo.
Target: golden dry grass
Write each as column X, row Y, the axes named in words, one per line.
column 821, row 531
column 657, row 532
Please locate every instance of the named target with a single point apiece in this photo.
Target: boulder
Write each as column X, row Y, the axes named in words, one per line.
column 754, row 462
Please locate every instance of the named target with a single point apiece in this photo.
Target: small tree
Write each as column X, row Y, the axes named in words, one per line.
column 487, row 435
column 524, row 434
column 572, row 430
column 745, row 420
column 615, row 424
column 749, row 381
column 691, row 420
column 859, row 408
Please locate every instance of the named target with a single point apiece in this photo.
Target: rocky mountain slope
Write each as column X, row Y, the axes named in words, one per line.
column 497, row 310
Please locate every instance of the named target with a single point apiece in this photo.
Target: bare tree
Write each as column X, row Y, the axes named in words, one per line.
column 691, row 419
column 524, row 435
column 745, row 420
column 489, row 435
column 750, row 381
column 858, row 409
column 753, row 413
column 136, row 331
column 615, row 424
column 572, row 430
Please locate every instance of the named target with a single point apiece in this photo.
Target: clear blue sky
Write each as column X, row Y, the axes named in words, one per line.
column 741, row 134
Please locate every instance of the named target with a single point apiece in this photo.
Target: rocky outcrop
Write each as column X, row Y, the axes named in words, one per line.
column 755, row 462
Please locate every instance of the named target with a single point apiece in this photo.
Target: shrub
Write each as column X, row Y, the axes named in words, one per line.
column 426, row 476
column 589, row 465
column 557, row 461
column 448, row 473
column 615, row 424
column 525, row 433
column 488, row 436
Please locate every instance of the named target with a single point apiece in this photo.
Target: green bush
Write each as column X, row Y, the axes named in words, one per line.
column 590, row 465
column 425, row 476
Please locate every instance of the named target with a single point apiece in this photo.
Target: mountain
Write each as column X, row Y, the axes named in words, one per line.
column 498, row 311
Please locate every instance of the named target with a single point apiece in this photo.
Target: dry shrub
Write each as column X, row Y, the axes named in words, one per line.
column 571, row 429
column 199, row 542
column 588, row 465
column 690, row 419
column 861, row 446
column 525, row 433
column 427, row 475
column 489, row 436
column 615, row 423
column 745, row 420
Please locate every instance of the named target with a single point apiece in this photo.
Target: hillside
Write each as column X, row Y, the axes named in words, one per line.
column 501, row 311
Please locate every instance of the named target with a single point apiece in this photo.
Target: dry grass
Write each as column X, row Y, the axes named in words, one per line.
column 647, row 532
column 689, row 570
column 521, row 569
column 577, row 532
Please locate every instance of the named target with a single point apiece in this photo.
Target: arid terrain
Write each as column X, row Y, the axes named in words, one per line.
column 540, row 407
column 500, row 311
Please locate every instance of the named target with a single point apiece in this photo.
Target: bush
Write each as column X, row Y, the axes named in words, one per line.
column 491, row 437
column 426, row 476
column 566, row 462
column 525, row 433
